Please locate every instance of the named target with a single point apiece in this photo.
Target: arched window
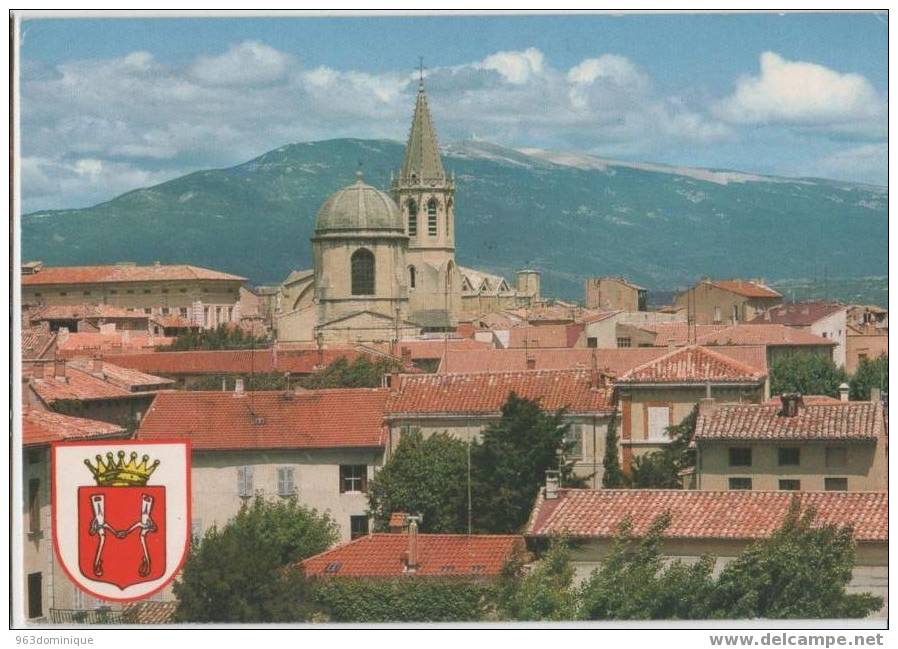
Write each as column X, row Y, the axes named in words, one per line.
column 449, row 269
column 432, row 217
column 362, row 262
column 411, row 276
column 412, row 219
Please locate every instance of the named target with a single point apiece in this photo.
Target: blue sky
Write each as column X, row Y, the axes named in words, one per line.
column 112, row 104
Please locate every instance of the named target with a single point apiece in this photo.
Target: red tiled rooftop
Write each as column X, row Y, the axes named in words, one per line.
column 485, row 393
column 439, row 555
column 41, row 427
column 430, row 349
column 693, row 365
column 36, row 341
column 269, row 420
column 50, row 275
column 853, row 420
column 809, row 399
column 763, row 334
column 124, row 377
column 86, row 343
column 746, row 288
column 802, row 314
column 235, row 361
column 677, row 333
column 81, row 383
column 616, row 361
column 738, row 515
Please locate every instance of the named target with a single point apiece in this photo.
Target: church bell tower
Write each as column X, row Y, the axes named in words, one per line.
column 426, row 199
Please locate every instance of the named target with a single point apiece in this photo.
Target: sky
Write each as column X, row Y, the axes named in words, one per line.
column 109, row 105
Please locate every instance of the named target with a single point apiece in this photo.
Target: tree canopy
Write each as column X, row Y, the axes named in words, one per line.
column 806, row 374
column 869, row 374
column 243, row 572
column 661, row 469
column 222, row 337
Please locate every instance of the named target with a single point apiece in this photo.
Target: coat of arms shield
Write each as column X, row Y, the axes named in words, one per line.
column 121, row 514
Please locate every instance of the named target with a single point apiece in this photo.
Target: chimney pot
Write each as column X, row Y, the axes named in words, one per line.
column 411, row 561
column 59, row 369
column 531, row 363
column 707, row 406
column 843, row 392
column 552, row 478
column 791, row 404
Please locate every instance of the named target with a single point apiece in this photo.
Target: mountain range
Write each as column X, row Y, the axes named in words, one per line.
column 567, row 214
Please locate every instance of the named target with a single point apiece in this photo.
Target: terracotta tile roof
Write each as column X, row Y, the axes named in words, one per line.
column 808, row 399
column 693, row 364
column 802, row 314
column 41, row 427
column 123, row 273
column 562, row 335
column 439, row 555
column 174, row 321
column 484, row 393
column 85, row 311
column 746, row 288
column 772, row 335
column 149, row 612
column 123, row 377
column 234, row 361
column 88, row 343
column 596, row 316
column 616, row 361
column 36, row 341
column 269, row 420
column 854, row 420
column 743, row 515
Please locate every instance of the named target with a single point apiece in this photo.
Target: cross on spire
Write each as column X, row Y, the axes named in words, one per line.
column 420, row 73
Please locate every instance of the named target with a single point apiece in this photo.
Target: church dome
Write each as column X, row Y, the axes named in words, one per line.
column 359, row 207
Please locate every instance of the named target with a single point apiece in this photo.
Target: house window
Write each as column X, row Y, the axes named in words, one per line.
column 131, row 291
column 165, row 310
column 285, row 481
column 148, row 311
column 740, row 456
column 183, row 311
column 717, row 314
column 835, row 484
column 592, row 341
column 87, row 292
column 34, row 505
column 63, row 293
column 789, row 456
column 353, row 478
column 432, row 217
column 362, row 263
column 113, row 291
column 735, row 313
column 196, row 529
column 35, row 595
column 573, row 439
column 412, row 219
column 147, row 291
column 790, row 485
column 244, row 481
column 624, row 341
column 183, row 290
column 358, row 526
column 411, row 276
column 165, row 290
column 658, row 419
column 740, row 484
column 836, row 456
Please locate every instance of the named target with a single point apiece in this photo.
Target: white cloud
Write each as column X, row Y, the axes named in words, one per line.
column 800, row 93
column 246, row 64
column 867, row 163
column 516, row 67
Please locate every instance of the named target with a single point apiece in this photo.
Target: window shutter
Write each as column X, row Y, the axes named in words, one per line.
column 342, row 481
column 364, row 482
column 241, row 481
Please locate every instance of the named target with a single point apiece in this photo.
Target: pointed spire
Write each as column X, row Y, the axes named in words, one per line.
column 422, row 154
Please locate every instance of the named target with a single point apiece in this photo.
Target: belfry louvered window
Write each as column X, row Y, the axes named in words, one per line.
column 362, row 263
column 432, row 217
column 412, row 219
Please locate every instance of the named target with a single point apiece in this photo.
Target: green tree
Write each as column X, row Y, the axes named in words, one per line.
column 510, row 463
column 244, row 571
column 805, row 374
column 613, row 475
column 801, row 571
column 222, row 337
column 869, row 374
column 546, row 592
column 661, row 469
column 427, row 476
column 410, row 599
column 363, row 372
column 633, row 581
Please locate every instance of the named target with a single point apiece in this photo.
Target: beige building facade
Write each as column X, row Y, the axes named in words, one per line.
column 727, row 301
column 615, row 293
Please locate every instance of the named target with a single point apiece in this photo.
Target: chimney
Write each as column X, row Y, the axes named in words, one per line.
column 531, row 363
column 551, row 492
column 791, row 404
column 96, row 365
column 238, row 385
column 706, row 407
column 398, row 522
column 406, row 356
column 59, row 369
column 411, row 555
column 843, row 392
column 62, row 335
column 393, row 381
column 37, row 370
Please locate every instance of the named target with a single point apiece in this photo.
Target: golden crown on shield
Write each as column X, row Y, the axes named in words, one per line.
column 116, row 472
